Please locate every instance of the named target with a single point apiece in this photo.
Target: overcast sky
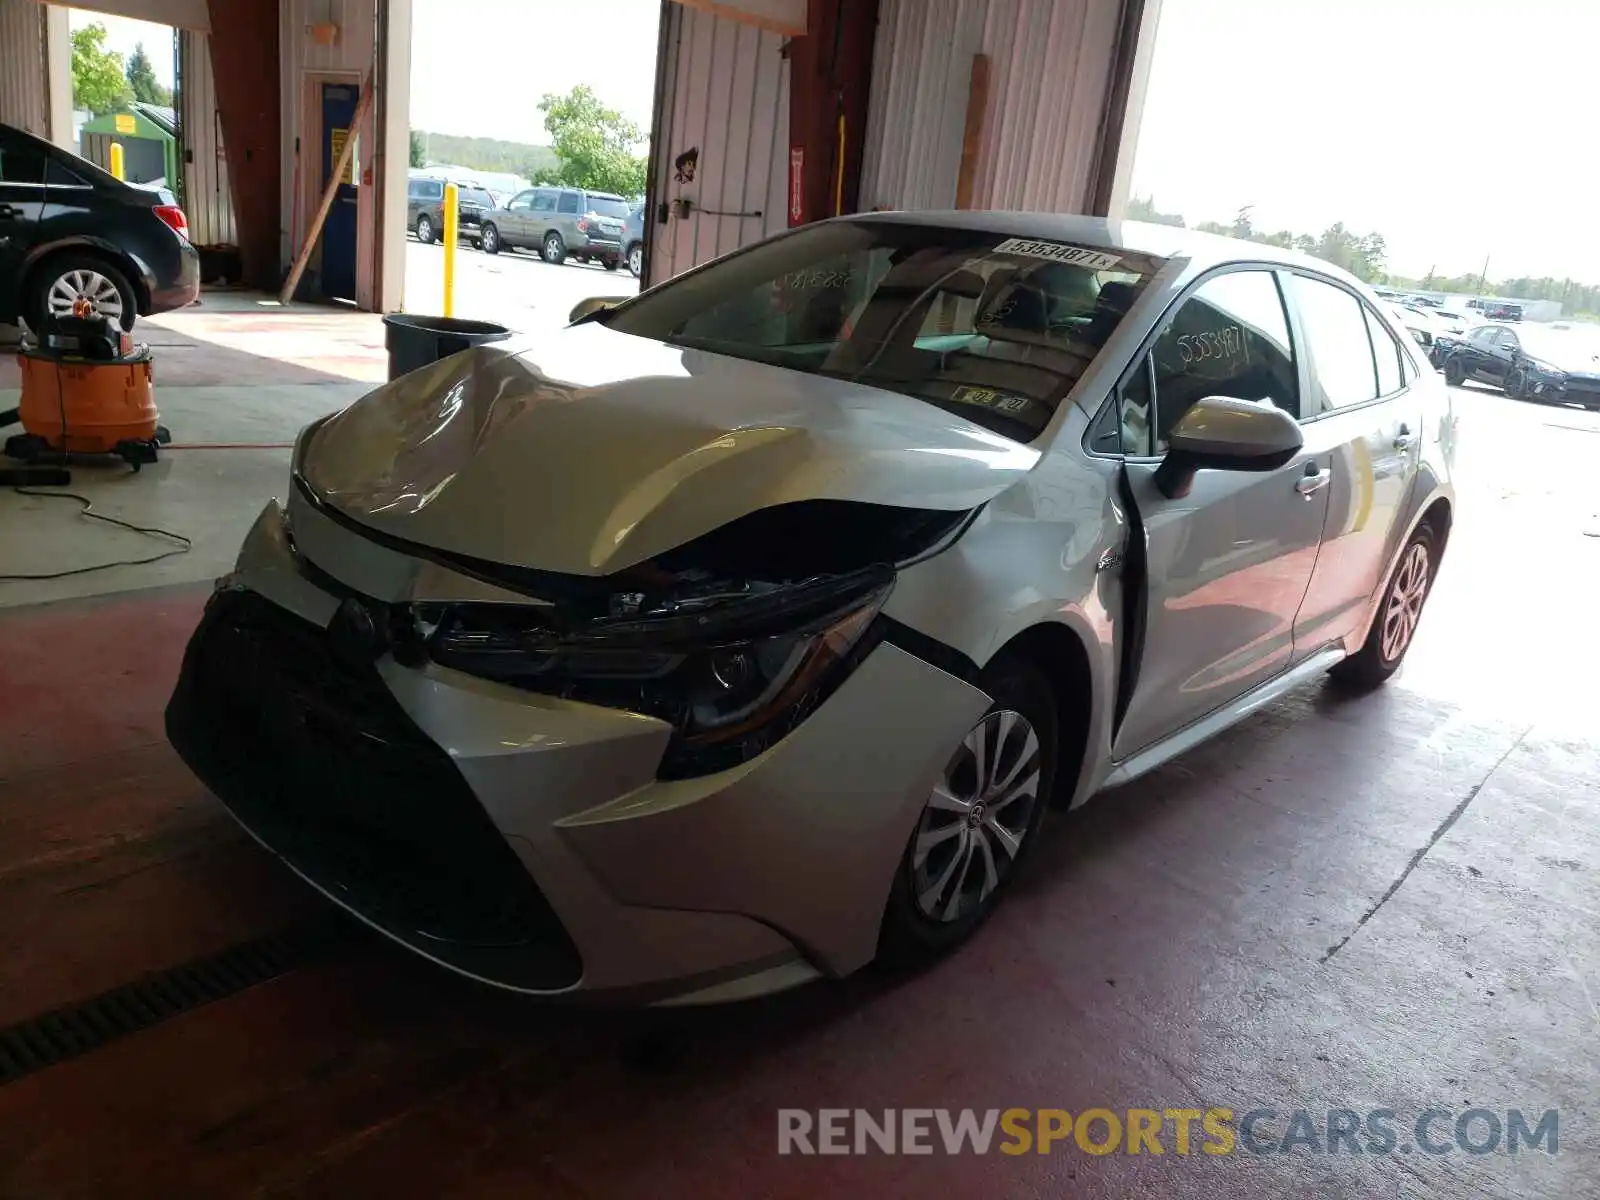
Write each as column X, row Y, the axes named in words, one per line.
column 1456, row 128
column 480, row 68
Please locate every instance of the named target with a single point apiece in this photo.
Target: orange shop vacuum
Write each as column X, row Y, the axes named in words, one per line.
column 86, row 390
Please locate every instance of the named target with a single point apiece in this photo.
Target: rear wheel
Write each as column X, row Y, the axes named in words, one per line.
column 555, row 250
column 79, row 285
column 636, row 260
column 611, row 262
column 979, row 822
column 1395, row 624
column 425, row 233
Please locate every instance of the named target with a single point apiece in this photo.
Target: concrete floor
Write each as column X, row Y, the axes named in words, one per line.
column 1384, row 903
column 236, row 378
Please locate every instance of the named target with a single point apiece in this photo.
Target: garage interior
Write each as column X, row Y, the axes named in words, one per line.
column 1383, row 903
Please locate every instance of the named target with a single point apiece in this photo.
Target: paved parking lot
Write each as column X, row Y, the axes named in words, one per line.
column 514, row 288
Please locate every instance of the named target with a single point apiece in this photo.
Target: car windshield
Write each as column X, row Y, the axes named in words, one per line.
column 608, row 206
column 993, row 328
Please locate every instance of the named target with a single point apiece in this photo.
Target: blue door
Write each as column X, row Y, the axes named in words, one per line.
column 339, row 233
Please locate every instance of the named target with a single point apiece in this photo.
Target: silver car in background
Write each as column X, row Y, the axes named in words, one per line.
column 746, row 630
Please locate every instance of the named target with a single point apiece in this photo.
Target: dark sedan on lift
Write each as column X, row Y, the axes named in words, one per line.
column 1557, row 364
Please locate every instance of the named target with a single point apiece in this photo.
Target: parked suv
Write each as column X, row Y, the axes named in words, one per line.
column 75, row 239
column 633, row 241
column 425, row 209
column 560, row 222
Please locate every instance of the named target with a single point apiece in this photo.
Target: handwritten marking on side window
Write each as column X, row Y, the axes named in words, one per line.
column 1214, row 344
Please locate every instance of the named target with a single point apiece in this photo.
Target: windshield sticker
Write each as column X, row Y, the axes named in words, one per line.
column 1006, row 402
column 1077, row 256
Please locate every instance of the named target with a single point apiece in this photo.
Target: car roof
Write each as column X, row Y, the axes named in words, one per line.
column 1138, row 237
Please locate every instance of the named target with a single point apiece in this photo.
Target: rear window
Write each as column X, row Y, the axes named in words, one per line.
column 608, row 206
column 476, row 196
column 994, row 328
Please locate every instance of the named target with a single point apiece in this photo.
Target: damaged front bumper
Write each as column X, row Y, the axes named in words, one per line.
column 526, row 840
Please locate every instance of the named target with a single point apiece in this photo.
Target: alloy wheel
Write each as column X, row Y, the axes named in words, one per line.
column 424, row 230
column 86, row 288
column 1404, row 608
column 491, row 239
column 977, row 817
column 636, row 261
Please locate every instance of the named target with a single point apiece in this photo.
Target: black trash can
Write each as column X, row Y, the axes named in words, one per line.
column 414, row 341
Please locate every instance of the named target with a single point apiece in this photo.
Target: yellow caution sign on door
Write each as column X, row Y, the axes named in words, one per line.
column 337, row 138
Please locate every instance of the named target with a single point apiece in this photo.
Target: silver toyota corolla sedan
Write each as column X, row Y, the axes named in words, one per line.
column 746, row 630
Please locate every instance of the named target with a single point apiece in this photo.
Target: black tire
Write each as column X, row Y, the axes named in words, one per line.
column 1372, row 665
column 1454, row 374
column 426, row 233
column 611, row 262
column 636, row 259
column 1516, row 384
column 909, row 934
column 44, row 276
column 490, row 237
column 554, row 249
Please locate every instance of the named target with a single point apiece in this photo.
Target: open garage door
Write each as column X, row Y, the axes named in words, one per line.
column 719, row 154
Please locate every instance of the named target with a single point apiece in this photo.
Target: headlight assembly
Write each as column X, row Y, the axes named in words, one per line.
column 732, row 668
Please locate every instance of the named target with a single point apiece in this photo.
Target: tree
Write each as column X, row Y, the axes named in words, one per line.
column 142, row 79
column 1143, row 208
column 597, row 147
column 98, row 82
column 419, row 153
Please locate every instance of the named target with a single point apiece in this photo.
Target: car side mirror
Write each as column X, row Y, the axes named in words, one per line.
column 1224, row 433
column 584, row 309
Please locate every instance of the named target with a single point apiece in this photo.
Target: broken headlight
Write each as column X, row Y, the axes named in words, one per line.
column 731, row 668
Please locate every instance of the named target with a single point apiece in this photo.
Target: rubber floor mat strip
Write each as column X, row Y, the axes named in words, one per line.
column 54, row 1037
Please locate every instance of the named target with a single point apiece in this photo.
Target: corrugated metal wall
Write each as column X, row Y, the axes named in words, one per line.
column 727, row 96
column 24, row 80
column 207, row 200
column 1049, row 73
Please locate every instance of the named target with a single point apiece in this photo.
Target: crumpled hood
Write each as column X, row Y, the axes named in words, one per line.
column 590, row 450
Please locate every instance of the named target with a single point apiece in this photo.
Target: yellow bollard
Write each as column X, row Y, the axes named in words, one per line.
column 116, row 160
column 451, row 196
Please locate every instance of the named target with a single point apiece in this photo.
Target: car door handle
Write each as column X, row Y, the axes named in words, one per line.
column 1312, row 482
column 1404, row 438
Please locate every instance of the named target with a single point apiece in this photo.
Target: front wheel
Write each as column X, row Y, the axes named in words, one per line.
column 978, row 823
column 555, row 250
column 425, row 233
column 1395, row 624
column 1454, row 374
column 1516, row 385
column 491, row 239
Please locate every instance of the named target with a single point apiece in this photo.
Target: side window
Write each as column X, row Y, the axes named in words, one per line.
column 544, row 202
column 569, row 202
column 1340, row 352
column 1229, row 338
column 1484, row 335
column 61, row 174
column 20, row 161
column 1508, row 340
column 521, row 202
column 1387, row 353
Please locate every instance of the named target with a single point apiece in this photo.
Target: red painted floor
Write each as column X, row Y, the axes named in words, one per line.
column 1384, row 903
